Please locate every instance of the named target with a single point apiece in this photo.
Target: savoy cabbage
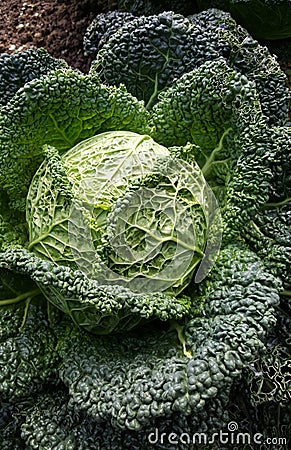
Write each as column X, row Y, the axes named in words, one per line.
column 150, row 53
column 88, row 360
column 264, row 19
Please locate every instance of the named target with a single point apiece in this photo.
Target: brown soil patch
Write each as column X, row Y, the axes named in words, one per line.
column 57, row 25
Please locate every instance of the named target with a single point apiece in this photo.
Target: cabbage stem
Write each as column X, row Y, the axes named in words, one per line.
column 26, row 296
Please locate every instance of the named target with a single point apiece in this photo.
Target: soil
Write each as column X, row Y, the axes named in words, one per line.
column 57, row 25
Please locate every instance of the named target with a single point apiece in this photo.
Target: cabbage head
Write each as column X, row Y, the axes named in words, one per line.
column 120, row 208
